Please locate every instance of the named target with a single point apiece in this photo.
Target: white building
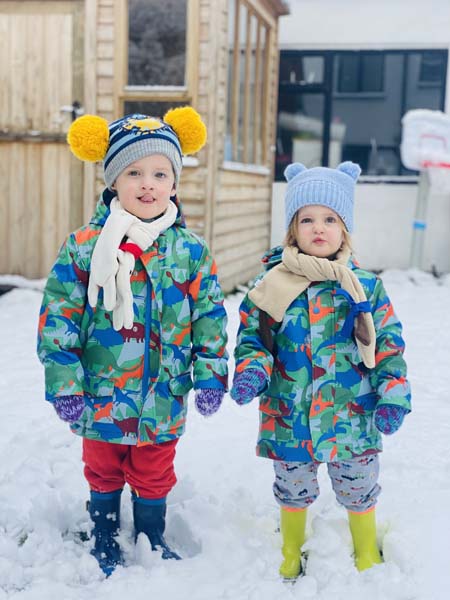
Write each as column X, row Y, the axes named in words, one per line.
column 349, row 70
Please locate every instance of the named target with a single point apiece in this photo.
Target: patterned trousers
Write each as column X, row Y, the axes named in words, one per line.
column 354, row 481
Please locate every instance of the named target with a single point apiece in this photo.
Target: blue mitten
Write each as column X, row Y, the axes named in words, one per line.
column 69, row 408
column 208, row 401
column 247, row 385
column 389, row 417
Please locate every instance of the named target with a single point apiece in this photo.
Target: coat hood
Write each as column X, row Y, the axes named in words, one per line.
column 272, row 257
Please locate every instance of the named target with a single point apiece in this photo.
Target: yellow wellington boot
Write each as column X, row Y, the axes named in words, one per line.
column 364, row 534
column 292, row 525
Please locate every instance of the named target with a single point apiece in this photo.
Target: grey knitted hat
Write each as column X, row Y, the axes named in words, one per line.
column 135, row 136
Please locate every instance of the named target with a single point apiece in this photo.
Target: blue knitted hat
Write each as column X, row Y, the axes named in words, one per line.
column 136, row 136
column 333, row 188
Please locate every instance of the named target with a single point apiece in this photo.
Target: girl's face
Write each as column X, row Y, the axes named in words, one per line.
column 319, row 231
column 144, row 187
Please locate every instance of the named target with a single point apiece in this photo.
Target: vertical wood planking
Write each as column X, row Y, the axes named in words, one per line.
column 17, row 116
column 17, row 208
column 49, row 218
column 4, row 206
column 5, row 53
column 35, row 65
column 32, row 222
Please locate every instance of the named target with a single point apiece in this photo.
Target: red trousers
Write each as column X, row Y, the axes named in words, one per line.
column 148, row 470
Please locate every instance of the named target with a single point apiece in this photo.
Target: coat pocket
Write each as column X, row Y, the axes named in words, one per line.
column 181, row 385
column 178, row 389
column 98, row 394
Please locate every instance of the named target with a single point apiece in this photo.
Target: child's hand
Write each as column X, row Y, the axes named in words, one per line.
column 208, row 401
column 69, row 408
column 247, row 385
column 389, row 417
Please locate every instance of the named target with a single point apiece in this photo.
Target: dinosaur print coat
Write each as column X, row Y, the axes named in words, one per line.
column 320, row 399
column 135, row 382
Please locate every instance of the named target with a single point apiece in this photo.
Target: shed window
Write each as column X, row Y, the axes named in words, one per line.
column 157, row 62
column 157, row 42
column 249, row 82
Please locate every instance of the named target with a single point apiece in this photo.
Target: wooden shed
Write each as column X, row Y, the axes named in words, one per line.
column 61, row 58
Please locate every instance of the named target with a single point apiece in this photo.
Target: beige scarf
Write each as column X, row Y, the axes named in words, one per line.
column 282, row 284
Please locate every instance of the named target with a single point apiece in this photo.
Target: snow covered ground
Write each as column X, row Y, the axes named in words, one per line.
column 222, row 517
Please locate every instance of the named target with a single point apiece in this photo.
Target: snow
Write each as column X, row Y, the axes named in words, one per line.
column 222, row 517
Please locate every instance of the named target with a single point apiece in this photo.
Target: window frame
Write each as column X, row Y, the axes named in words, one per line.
column 329, row 90
column 155, row 93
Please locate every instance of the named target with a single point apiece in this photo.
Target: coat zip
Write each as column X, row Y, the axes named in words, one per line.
column 148, row 307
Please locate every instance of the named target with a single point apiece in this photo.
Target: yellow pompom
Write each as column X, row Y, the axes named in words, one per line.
column 189, row 127
column 88, row 138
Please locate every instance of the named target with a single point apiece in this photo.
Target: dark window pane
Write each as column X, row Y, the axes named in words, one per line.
column 313, row 69
column 418, row 93
column 370, row 128
column 360, row 73
column 372, row 68
column 157, row 42
column 348, row 73
column 308, row 69
column 432, row 68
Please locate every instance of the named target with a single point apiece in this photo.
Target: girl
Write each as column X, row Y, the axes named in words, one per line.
column 320, row 344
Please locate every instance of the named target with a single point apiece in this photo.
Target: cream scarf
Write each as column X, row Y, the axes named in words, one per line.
column 283, row 283
column 111, row 267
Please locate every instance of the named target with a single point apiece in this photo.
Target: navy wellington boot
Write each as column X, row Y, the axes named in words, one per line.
column 104, row 510
column 150, row 518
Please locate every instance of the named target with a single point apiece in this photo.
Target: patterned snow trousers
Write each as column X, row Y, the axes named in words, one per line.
column 354, row 481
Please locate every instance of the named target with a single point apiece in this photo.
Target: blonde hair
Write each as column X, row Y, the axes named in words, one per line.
column 291, row 238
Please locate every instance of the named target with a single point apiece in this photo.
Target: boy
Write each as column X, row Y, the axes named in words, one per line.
column 131, row 305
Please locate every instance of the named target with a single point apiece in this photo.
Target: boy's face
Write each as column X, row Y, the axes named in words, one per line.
column 144, row 187
column 319, row 231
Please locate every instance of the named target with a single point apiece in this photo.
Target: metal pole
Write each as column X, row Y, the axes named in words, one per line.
column 420, row 223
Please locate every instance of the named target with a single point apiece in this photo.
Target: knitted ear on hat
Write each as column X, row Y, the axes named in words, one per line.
column 88, row 138
column 189, row 127
column 350, row 168
column 293, row 169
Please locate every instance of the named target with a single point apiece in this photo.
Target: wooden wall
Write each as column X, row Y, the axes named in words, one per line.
column 242, row 226
column 40, row 75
